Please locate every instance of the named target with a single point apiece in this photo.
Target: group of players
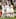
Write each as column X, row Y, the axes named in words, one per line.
column 7, row 9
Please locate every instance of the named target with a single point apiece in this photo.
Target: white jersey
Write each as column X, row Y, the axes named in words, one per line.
column 2, row 7
column 6, row 6
column 10, row 9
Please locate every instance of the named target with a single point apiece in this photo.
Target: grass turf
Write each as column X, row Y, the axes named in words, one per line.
column 8, row 18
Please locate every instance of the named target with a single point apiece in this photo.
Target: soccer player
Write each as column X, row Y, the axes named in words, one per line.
column 3, row 8
column 12, row 10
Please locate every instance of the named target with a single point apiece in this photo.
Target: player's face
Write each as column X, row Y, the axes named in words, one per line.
column 11, row 6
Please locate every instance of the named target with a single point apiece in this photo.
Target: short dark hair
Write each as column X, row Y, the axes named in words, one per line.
column 12, row 3
column 6, row 3
column 8, row 0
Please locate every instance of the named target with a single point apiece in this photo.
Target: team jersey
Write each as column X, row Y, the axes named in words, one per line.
column 2, row 10
column 10, row 9
column 6, row 6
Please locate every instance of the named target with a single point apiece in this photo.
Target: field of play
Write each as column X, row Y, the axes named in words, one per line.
column 8, row 18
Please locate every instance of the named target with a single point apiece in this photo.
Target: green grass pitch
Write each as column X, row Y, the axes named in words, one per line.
column 8, row 18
